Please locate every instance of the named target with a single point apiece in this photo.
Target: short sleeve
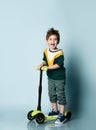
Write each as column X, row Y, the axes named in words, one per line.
column 44, row 57
column 60, row 60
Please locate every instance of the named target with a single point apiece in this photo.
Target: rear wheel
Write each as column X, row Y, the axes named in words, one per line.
column 68, row 115
column 40, row 118
column 29, row 115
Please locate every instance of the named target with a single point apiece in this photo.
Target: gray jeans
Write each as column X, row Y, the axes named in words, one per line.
column 56, row 91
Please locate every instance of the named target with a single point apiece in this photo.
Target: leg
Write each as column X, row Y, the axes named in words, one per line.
column 55, row 107
column 52, row 93
column 52, row 97
column 60, row 90
column 62, row 109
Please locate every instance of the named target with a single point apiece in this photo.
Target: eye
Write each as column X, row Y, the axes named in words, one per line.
column 50, row 39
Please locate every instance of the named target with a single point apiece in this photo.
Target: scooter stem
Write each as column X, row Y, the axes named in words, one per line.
column 40, row 91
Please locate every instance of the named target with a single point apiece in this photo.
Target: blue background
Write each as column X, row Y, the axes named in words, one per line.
column 23, row 27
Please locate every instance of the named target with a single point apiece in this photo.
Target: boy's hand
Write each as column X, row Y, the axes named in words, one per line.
column 40, row 66
column 44, row 68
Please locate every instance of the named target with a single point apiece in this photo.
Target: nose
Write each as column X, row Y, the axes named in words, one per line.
column 53, row 40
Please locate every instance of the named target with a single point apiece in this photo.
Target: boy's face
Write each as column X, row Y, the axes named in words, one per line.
column 52, row 42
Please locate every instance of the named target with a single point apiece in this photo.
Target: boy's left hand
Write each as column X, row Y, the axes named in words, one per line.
column 44, row 68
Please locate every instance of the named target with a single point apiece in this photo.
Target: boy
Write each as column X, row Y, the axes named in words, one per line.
column 53, row 60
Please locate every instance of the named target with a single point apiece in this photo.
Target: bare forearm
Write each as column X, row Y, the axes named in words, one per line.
column 55, row 66
column 43, row 63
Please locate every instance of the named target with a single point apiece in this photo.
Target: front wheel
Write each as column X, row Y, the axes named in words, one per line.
column 29, row 115
column 40, row 118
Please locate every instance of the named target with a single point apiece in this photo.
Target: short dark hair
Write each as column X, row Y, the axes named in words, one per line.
column 52, row 31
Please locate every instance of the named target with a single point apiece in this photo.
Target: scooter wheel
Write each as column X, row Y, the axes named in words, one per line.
column 29, row 115
column 40, row 118
column 68, row 115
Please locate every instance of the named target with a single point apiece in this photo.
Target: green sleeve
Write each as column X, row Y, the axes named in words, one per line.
column 44, row 58
column 60, row 61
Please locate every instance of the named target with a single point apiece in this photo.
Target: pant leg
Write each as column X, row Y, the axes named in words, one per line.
column 52, row 91
column 60, row 90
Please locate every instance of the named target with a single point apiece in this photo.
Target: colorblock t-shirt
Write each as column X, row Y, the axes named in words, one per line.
column 55, row 57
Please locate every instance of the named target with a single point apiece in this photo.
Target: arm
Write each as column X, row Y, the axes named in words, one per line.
column 55, row 66
column 42, row 64
column 58, row 63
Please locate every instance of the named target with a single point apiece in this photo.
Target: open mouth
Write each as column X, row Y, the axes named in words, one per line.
column 52, row 44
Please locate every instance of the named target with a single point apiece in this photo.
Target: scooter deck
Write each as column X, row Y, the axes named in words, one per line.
column 35, row 112
column 51, row 117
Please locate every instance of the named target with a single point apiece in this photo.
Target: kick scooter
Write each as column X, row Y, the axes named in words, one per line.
column 38, row 115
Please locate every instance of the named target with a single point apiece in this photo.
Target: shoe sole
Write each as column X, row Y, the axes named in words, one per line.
column 60, row 123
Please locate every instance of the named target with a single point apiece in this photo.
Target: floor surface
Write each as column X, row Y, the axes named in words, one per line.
column 16, row 120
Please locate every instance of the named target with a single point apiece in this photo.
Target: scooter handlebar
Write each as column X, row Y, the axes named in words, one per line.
column 44, row 69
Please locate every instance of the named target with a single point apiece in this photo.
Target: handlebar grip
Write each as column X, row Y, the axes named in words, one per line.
column 44, row 69
column 37, row 68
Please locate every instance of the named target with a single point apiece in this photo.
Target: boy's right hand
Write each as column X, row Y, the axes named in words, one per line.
column 40, row 66
column 45, row 68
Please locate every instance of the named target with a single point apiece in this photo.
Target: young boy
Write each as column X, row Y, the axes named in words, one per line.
column 53, row 60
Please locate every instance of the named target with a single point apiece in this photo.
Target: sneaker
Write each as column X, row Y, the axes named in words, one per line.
column 61, row 119
column 53, row 113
